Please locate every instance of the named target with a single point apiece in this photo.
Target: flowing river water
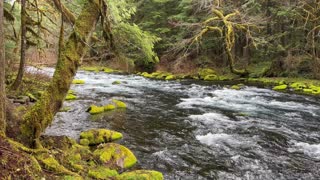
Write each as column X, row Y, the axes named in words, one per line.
column 201, row 130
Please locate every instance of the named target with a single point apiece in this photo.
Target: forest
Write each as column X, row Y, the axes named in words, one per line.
column 159, row 89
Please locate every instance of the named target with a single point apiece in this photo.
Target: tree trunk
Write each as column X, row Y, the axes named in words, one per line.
column 18, row 80
column 41, row 115
column 2, row 75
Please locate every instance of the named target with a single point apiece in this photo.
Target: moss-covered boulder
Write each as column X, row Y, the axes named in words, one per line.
column 202, row 73
column 102, row 173
column 108, row 70
column 116, row 82
column 109, row 107
column 146, row 75
column 298, row 86
column 98, row 136
column 78, row 81
column 211, row 77
column 235, row 87
column 93, row 109
column 141, row 175
column 280, row 87
column 115, row 155
column 119, row 104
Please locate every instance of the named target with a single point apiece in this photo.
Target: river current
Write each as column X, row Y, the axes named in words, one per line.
column 201, row 130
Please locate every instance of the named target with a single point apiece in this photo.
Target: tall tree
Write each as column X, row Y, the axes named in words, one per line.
column 2, row 75
column 42, row 113
column 18, row 80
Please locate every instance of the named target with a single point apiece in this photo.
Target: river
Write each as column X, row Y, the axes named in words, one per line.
column 200, row 130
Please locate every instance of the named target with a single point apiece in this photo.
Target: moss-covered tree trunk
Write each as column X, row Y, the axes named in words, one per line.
column 41, row 115
column 18, row 80
column 2, row 75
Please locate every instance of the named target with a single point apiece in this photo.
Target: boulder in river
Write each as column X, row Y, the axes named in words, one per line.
column 78, row 81
column 93, row 109
column 280, row 87
column 115, row 155
column 119, row 104
column 98, row 136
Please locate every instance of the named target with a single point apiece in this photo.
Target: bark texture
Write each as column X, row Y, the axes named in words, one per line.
column 2, row 75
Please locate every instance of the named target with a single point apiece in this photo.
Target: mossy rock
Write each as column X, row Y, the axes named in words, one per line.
column 115, row 155
column 116, row 82
column 141, row 175
column 98, row 136
column 71, row 92
column 235, row 87
column 109, row 107
column 78, row 81
column 170, row 77
column 108, row 70
column 280, row 87
column 308, row 91
column 298, row 86
column 70, row 97
column 96, row 109
column 146, row 75
column 119, row 104
column 211, row 77
column 205, row 72
column 102, row 173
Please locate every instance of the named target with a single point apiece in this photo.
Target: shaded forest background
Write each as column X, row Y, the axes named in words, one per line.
column 282, row 37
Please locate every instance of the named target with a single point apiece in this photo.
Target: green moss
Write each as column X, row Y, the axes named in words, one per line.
column 98, row 136
column 70, row 97
column 84, row 142
column 235, row 87
column 108, row 70
column 170, row 77
column 116, row 82
column 72, row 178
column 141, row 175
column 280, row 87
column 205, row 72
column 96, row 109
column 102, row 173
column 78, row 81
column 308, row 91
column 71, row 92
column 211, row 77
column 146, row 75
column 115, row 155
column 109, row 107
column 32, row 97
column 119, row 104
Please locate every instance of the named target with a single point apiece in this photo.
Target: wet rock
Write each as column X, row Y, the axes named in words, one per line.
column 115, row 156
column 141, row 174
column 98, row 136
